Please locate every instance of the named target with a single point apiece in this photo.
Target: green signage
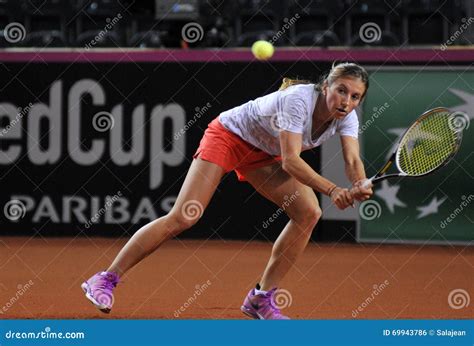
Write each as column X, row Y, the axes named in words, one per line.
column 438, row 208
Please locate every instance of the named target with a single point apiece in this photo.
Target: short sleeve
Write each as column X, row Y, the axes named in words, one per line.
column 349, row 126
column 291, row 113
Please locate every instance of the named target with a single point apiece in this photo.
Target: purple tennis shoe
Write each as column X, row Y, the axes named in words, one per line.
column 99, row 288
column 262, row 306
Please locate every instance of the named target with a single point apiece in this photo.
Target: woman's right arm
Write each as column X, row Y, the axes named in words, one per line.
column 293, row 164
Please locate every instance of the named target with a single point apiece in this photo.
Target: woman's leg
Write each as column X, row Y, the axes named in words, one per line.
column 200, row 184
column 300, row 204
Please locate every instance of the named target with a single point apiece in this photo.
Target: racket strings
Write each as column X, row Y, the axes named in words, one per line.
column 428, row 144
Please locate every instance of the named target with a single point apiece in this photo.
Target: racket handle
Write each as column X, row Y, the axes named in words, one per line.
column 367, row 183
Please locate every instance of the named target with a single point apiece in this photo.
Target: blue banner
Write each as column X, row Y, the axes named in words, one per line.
column 206, row 332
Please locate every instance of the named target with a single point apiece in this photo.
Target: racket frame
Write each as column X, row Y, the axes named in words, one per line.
column 395, row 157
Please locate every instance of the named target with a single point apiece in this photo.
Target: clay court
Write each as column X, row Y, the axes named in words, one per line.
column 330, row 281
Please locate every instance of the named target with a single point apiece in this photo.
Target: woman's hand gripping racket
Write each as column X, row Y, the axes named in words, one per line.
column 427, row 145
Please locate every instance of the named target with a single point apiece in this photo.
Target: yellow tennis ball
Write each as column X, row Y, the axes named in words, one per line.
column 262, row 50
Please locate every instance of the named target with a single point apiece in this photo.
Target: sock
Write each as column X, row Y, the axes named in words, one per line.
column 258, row 290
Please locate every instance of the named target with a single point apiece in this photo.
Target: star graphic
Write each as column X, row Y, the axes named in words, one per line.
column 389, row 195
column 468, row 104
column 465, row 107
column 430, row 208
column 397, row 132
column 412, row 143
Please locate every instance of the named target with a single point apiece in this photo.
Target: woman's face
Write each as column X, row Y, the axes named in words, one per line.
column 343, row 95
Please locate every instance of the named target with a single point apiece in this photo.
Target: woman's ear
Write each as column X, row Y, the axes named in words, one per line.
column 324, row 88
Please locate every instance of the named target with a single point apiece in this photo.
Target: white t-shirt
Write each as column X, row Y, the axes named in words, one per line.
column 259, row 121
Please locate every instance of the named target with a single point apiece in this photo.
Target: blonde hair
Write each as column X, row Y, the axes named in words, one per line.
column 287, row 82
column 340, row 70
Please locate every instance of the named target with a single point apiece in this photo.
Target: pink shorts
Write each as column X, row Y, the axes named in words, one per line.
column 229, row 151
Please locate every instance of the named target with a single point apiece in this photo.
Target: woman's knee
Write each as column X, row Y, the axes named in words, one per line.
column 181, row 219
column 308, row 215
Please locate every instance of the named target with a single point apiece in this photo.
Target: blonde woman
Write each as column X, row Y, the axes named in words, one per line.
column 261, row 141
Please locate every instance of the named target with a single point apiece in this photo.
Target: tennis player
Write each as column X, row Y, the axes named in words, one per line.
column 261, row 141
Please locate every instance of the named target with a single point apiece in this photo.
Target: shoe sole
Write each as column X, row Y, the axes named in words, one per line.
column 254, row 315
column 99, row 306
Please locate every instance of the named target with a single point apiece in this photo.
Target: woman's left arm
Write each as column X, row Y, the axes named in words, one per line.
column 354, row 167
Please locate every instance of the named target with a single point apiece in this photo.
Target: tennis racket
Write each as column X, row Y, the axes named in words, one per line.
column 426, row 146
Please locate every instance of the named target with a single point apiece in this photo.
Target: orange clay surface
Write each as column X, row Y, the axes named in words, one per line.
column 330, row 281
